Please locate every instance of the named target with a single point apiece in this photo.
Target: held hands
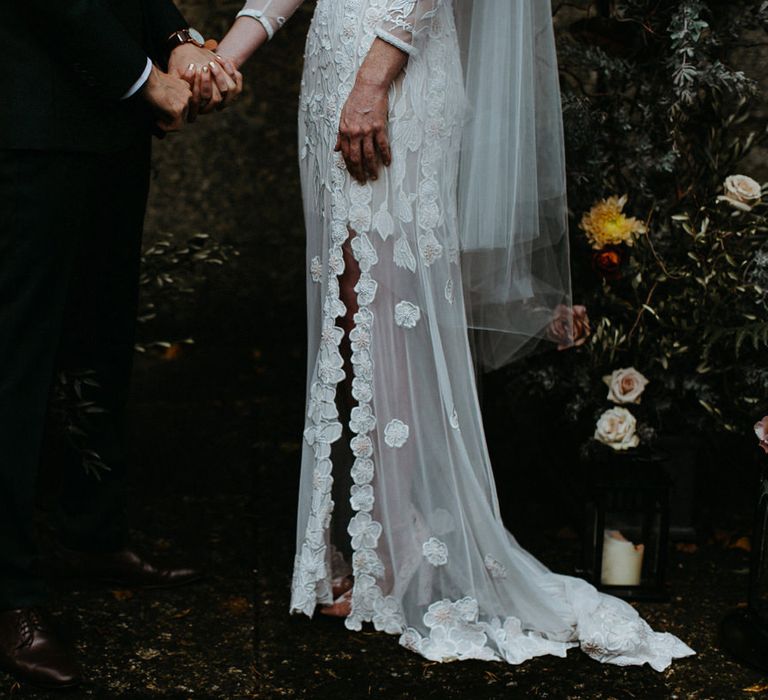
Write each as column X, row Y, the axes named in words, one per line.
column 215, row 81
column 169, row 97
column 198, row 82
column 363, row 139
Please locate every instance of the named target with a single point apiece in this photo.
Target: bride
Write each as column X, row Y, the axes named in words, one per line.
column 433, row 179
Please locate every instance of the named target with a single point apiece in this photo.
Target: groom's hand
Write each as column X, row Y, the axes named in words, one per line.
column 169, row 97
column 215, row 81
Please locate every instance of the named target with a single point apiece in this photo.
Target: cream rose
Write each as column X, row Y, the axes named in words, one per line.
column 617, row 428
column 625, row 385
column 761, row 430
column 741, row 192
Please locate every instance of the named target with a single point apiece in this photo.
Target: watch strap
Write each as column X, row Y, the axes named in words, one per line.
column 181, row 37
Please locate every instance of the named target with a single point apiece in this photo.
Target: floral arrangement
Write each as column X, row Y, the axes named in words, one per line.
column 669, row 240
column 693, row 313
column 690, row 303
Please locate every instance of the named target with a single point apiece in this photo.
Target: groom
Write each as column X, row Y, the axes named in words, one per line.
column 79, row 105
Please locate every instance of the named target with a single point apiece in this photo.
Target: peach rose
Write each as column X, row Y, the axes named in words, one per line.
column 569, row 327
column 625, row 385
column 741, row 192
column 761, row 430
column 617, row 428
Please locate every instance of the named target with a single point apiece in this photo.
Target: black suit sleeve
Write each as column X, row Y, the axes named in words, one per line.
column 161, row 19
column 88, row 36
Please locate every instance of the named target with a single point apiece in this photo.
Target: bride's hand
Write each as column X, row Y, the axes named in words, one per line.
column 219, row 75
column 214, row 80
column 363, row 139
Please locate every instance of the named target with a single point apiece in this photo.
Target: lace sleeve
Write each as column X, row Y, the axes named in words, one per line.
column 406, row 21
column 272, row 14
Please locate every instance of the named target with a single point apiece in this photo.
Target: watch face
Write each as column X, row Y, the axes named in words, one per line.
column 196, row 36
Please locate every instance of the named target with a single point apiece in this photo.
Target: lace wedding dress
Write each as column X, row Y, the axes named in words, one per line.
column 413, row 509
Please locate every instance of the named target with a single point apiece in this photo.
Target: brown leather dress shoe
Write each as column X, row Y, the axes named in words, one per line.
column 124, row 568
column 31, row 652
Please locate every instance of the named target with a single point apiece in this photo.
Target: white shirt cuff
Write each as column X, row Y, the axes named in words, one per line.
column 140, row 82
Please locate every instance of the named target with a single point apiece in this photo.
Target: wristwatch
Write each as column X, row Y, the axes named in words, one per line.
column 185, row 36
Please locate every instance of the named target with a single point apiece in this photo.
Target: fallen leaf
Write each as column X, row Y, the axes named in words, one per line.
column 237, row 605
column 172, row 352
column 723, row 537
column 757, row 688
column 742, row 543
column 687, row 547
column 122, row 595
column 147, row 654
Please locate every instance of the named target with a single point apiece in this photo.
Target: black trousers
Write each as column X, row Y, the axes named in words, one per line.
column 70, row 245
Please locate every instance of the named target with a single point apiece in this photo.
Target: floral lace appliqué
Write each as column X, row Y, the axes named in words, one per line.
column 407, row 314
column 316, row 269
column 454, row 633
column 435, row 552
column 404, row 256
column 387, row 616
column 396, row 433
column 364, row 531
column 449, row 292
column 495, row 568
column 430, row 248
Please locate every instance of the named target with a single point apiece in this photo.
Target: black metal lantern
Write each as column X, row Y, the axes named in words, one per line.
column 745, row 631
column 626, row 533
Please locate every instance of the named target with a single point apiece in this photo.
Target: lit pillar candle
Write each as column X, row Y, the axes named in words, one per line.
column 622, row 560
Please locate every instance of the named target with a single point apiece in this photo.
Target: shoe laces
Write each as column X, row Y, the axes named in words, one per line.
column 30, row 622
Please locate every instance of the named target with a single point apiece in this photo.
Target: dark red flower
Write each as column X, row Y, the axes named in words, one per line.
column 607, row 262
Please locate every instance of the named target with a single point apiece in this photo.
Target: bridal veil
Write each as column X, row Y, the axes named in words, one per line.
column 512, row 190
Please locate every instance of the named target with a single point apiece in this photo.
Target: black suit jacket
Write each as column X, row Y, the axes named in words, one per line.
column 72, row 62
